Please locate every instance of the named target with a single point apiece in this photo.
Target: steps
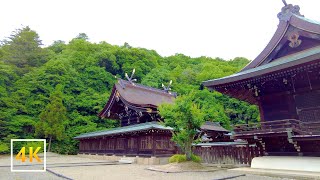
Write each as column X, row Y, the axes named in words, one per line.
column 292, row 163
column 128, row 160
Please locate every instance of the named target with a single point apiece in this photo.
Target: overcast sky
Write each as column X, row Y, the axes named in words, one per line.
column 214, row 28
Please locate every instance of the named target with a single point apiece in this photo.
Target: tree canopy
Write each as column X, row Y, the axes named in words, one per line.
column 30, row 73
column 186, row 118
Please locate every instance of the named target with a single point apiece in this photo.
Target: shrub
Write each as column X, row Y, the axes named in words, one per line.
column 4, row 148
column 178, row 158
column 195, row 158
column 182, row 158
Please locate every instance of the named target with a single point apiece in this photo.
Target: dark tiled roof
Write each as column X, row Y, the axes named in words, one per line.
column 143, row 95
column 137, row 96
column 213, row 126
column 221, row 144
column 281, row 63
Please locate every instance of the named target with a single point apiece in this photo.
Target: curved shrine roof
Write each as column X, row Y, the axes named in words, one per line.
column 136, row 96
column 296, row 41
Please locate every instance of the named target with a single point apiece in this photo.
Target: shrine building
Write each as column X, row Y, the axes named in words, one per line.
column 284, row 82
column 140, row 134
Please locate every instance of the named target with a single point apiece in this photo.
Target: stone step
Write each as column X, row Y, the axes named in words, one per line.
column 292, row 163
column 128, row 160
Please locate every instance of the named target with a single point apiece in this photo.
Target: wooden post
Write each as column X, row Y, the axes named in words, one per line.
column 153, row 145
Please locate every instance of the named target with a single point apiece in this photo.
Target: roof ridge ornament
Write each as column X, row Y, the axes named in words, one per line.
column 130, row 78
column 284, row 2
column 167, row 88
column 287, row 11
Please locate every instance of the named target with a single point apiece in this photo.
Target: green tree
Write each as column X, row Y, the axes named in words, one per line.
column 83, row 36
column 23, row 49
column 185, row 118
column 57, row 46
column 52, row 118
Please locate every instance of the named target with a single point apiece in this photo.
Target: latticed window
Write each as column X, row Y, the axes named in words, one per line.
column 120, row 143
column 132, row 143
column 308, row 106
column 109, row 143
column 164, row 143
column 146, row 142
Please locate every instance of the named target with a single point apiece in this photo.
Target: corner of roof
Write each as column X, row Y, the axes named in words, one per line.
column 287, row 11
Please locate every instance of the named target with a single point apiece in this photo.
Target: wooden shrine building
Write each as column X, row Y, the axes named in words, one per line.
column 284, row 82
column 214, row 132
column 140, row 134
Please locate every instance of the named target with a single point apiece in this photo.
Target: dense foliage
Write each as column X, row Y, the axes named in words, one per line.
column 186, row 118
column 30, row 73
column 52, row 118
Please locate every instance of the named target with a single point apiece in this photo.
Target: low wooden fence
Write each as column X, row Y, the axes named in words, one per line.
column 236, row 155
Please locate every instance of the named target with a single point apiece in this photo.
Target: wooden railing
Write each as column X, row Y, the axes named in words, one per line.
column 303, row 128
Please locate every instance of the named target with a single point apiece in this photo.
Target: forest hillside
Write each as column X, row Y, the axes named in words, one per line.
column 75, row 79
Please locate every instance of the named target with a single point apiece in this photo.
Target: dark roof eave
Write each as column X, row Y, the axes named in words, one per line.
column 279, row 64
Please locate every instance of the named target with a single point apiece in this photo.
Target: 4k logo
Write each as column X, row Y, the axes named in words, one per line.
column 22, row 154
column 27, row 159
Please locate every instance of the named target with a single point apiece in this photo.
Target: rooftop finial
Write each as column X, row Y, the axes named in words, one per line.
column 130, row 78
column 167, row 88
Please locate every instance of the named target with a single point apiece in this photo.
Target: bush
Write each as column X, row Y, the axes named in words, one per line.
column 195, row 158
column 4, row 148
column 182, row 158
column 65, row 147
column 178, row 158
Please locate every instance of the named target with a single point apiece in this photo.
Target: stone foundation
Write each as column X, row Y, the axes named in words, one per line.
column 136, row 160
column 293, row 163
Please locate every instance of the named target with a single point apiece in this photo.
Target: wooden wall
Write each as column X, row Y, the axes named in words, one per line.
column 131, row 145
column 304, row 106
column 278, row 107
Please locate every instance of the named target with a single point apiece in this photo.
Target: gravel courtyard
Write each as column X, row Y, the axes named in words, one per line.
column 83, row 168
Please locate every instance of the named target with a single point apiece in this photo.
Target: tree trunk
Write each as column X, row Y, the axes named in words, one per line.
column 49, row 146
column 188, row 149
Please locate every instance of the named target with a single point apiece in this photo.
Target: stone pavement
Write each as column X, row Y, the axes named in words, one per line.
column 77, row 167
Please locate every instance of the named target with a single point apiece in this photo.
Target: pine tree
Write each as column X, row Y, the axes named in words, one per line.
column 22, row 49
column 52, row 118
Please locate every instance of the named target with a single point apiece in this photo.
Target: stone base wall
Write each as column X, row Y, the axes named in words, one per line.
column 292, row 163
column 135, row 160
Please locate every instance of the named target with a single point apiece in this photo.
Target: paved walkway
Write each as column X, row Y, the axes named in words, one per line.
column 83, row 168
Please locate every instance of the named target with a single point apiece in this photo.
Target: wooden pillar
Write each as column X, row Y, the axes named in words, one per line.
column 126, row 144
column 115, row 145
column 261, row 110
column 138, row 145
column 153, row 144
column 248, row 154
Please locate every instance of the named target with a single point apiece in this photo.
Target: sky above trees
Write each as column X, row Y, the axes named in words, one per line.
column 219, row 28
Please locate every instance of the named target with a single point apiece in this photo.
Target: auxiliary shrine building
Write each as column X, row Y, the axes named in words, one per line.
column 284, row 82
column 140, row 134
